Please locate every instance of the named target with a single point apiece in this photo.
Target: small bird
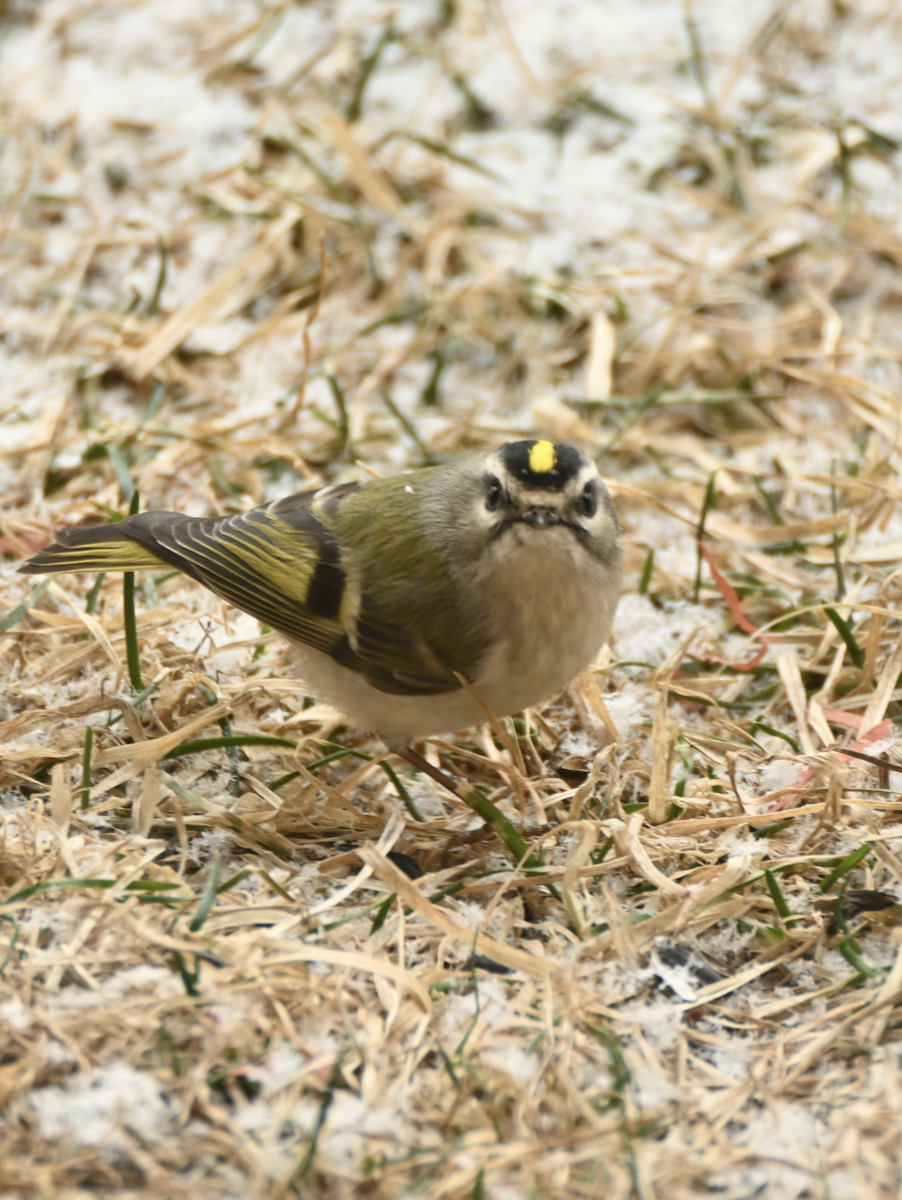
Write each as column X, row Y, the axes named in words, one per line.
column 503, row 568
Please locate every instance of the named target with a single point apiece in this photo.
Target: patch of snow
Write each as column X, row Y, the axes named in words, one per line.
column 15, row 1014
column 646, row 633
column 277, row 1070
column 511, row 1060
column 629, row 707
column 97, row 1107
column 781, row 773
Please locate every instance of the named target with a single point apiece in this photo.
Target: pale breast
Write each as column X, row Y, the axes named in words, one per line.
column 552, row 608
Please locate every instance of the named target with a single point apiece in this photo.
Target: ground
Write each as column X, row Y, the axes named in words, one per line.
column 247, row 247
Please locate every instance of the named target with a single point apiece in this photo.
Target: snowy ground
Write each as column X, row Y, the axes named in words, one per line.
column 669, row 234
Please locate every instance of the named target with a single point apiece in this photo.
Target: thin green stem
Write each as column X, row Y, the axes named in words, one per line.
column 86, row 774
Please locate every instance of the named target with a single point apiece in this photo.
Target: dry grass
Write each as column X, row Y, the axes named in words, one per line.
column 213, row 979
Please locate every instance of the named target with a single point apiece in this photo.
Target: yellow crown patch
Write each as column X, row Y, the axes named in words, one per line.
column 542, row 458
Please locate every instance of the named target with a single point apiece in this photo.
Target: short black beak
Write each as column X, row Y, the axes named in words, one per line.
column 540, row 517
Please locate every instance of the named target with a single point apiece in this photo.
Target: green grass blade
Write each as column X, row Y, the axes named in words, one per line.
column 132, row 651
column 406, row 798
column 123, row 474
column 368, row 65
column 87, row 755
column 777, row 733
column 13, row 943
column 846, row 865
column 844, row 629
column 397, row 316
column 208, row 896
column 153, row 306
column 771, row 830
column 707, row 504
column 17, row 613
column 190, row 979
column 851, row 952
column 67, row 885
column 838, row 540
column 198, row 745
column 776, row 894
column 645, row 578
column 381, row 913
column 345, row 751
column 445, row 151
column 341, row 406
column 518, row 847
column 94, row 594
column 234, row 880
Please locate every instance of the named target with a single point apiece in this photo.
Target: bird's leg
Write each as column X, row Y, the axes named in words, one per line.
column 477, row 801
column 436, row 773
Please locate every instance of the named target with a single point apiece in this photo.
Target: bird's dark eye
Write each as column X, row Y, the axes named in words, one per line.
column 492, row 494
column 589, row 500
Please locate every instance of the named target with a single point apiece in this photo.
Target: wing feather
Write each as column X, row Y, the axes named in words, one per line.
column 283, row 564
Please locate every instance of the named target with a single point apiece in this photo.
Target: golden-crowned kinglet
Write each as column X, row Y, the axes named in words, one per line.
column 504, row 568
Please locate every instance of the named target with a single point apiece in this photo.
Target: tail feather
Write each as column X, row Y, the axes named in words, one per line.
column 95, row 548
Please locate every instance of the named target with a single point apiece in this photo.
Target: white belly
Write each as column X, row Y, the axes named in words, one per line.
column 397, row 719
column 545, row 626
column 549, row 624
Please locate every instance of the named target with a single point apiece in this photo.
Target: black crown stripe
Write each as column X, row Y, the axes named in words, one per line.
column 557, row 468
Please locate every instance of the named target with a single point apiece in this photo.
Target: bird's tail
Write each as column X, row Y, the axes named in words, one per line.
column 116, row 547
